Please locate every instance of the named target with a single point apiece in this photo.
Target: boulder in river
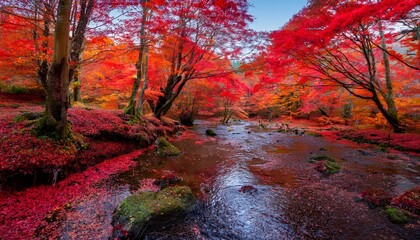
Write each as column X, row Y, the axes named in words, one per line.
column 328, row 167
column 325, row 164
column 211, row 133
column 167, row 179
column 248, row 189
column 149, row 211
column 165, row 148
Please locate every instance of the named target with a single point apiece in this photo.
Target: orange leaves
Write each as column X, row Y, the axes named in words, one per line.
column 152, row 95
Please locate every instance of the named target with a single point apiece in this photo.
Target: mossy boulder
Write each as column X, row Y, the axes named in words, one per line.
column 148, row 211
column 165, row 148
column 211, row 133
column 313, row 134
column 396, row 216
column 28, row 116
column 317, row 159
column 326, row 165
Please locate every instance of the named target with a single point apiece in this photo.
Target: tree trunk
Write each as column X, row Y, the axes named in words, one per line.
column 42, row 63
column 395, row 124
column 165, row 102
column 58, row 76
column 77, row 85
column 132, row 108
column 77, row 47
column 389, row 97
column 145, row 80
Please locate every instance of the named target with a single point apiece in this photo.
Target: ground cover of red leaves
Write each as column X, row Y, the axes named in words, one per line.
column 29, row 213
column 106, row 133
column 334, row 130
column 400, row 141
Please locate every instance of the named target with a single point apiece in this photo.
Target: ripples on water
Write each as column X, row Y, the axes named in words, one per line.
column 292, row 201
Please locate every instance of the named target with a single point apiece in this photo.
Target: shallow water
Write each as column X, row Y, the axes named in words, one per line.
column 292, row 201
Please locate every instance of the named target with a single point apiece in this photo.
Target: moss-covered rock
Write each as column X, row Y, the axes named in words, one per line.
column 165, row 148
column 313, row 134
column 28, row 116
column 328, row 167
column 396, row 216
column 211, row 133
column 147, row 211
column 316, row 159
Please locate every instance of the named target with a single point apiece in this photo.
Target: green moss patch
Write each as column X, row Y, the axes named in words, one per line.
column 165, row 148
column 325, row 164
column 148, row 210
column 396, row 216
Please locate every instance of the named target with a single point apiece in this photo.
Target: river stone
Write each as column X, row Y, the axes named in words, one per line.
column 210, row 132
column 150, row 211
column 165, row 148
column 328, row 167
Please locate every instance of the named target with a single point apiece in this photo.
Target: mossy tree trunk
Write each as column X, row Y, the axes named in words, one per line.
column 131, row 109
column 55, row 121
column 389, row 95
column 145, row 80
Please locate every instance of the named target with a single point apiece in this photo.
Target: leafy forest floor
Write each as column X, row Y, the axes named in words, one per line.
column 26, row 160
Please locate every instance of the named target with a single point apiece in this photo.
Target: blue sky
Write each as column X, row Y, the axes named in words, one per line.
column 272, row 14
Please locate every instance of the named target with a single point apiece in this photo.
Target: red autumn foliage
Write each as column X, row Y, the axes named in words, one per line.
column 106, row 132
column 376, row 198
column 23, row 153
column 406, row 142
column 409, row 200
column 27, row 210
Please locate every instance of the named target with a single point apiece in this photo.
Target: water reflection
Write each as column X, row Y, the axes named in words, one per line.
column 292, row 201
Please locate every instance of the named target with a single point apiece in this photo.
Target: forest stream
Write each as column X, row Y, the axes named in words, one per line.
column 284, row 196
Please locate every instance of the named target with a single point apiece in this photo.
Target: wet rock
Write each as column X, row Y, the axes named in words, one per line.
column 364, row 153
column 298, row 131
column 148, row 185
column 376, row 198
column 248, row 189
column 328, row 167
column 165, row 148
column 149, row 211
column 167, row 179
column 211, row 133
column 316, row 159
column 313, row 134
column 396, row 216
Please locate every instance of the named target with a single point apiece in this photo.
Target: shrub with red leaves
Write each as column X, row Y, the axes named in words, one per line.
column 376, row 198
column 409, row 200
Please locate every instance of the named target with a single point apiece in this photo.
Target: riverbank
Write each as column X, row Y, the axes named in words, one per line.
column 335, row 130
column 29, row 160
